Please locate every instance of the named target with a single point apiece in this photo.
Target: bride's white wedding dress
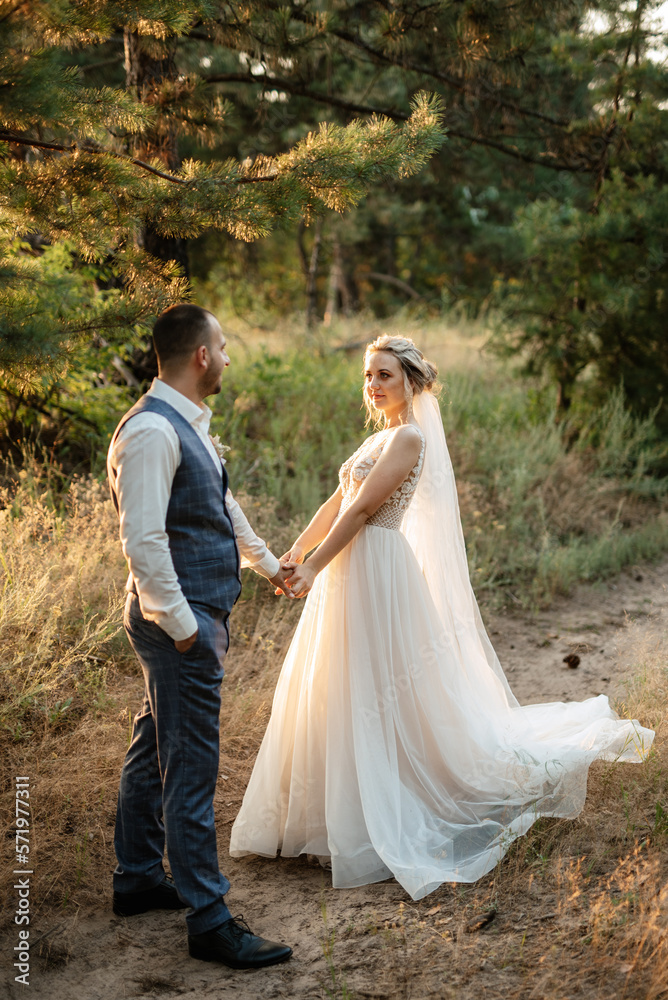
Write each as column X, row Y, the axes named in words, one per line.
column 395, row 746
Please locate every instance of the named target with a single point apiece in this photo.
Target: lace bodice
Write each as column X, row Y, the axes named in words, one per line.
column 355, row 469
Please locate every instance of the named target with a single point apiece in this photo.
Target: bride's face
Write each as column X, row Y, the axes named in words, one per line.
column 384, row 383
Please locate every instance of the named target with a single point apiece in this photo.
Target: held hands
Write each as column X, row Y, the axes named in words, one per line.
column 279, row 581
column 289, row 560
column 300, row 578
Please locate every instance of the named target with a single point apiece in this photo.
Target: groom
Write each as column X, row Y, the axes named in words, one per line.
column 182, row 535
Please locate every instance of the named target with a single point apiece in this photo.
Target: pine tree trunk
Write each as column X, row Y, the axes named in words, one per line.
column 564, row 397
column 144, row 73
column 566, row 377
column 335, row 288
column 310, row 269
column 349, row 290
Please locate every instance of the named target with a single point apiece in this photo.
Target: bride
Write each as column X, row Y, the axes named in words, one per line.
column 395, row 745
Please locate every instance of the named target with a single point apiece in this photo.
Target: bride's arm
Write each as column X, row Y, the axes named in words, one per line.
column 392, row 468
column 316, row 530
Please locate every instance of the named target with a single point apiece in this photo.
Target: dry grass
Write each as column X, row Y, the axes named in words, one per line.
column 59, row 607
column 61, row 651
column 452, row 345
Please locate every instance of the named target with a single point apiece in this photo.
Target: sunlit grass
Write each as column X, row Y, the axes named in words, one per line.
column 61, row 595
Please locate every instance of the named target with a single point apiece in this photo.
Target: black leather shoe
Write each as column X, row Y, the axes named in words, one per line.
column 234, row 944
column 162, row 896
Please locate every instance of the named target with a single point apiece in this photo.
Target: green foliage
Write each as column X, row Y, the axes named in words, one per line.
column 592, row 300
column 587, row 303
column 550, row 189
column 58, row 335
column 97, row 168
column 541, row 510
column 290, row 422
column 49, row 304
column 128, row 129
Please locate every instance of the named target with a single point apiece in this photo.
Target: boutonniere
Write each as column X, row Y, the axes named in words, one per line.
column 221, row 449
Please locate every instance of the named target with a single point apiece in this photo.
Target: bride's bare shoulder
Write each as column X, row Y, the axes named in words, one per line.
column 409, row 433
column 407, row 439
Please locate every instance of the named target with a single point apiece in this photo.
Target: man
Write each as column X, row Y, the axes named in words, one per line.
column 182, row 533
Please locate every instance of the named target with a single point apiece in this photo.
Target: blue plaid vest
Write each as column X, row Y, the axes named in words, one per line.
column 199, row 528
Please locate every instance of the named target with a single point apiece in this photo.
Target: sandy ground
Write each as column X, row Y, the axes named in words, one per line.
column 362, row 942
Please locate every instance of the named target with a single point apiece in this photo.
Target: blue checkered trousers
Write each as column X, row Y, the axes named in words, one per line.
column 169, row 775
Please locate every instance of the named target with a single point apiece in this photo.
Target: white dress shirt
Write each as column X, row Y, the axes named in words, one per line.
column 146, row 455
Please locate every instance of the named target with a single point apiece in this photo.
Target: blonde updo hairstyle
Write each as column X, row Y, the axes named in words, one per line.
column 419, row 374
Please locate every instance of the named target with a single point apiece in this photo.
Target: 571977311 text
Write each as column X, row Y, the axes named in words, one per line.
column 22, row 885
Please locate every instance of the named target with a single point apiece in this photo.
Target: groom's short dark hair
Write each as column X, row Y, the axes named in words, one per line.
column 180, row 330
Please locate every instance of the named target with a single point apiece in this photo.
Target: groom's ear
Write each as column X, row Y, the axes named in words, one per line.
column 201, row 356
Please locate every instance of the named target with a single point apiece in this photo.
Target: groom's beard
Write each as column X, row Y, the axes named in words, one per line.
column 210, row 383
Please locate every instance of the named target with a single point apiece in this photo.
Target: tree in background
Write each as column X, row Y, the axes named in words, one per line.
column 101, row 182
column 589, row 297
column 548, row 199
column 442, row 238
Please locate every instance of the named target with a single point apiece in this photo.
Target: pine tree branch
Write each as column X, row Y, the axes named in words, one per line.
column 365, row 109
column 74, row 147
column 11, row 137
column 33, row 404
column 6, row 136
column 301, row 91
column 451, row 81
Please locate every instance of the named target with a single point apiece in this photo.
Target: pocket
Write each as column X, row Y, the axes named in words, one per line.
column 211, row 642
column 196, row 643
column 200, row 621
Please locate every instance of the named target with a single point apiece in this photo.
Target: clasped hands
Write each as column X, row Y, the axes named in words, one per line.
column 294, row 579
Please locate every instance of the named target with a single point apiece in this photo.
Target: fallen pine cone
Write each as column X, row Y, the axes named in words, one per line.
column 479, row 924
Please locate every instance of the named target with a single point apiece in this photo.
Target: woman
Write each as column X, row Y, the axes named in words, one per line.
column 395, row 746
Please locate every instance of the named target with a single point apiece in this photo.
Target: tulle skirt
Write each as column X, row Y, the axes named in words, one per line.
column 393, row 749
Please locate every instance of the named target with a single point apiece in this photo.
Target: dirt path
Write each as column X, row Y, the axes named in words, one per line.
column 366, row 937
column 592, row 624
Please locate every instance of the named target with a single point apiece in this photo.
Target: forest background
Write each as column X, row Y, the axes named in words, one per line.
column 488, row 177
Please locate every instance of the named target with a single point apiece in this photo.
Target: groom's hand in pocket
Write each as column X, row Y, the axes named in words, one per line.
column 183, row 645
